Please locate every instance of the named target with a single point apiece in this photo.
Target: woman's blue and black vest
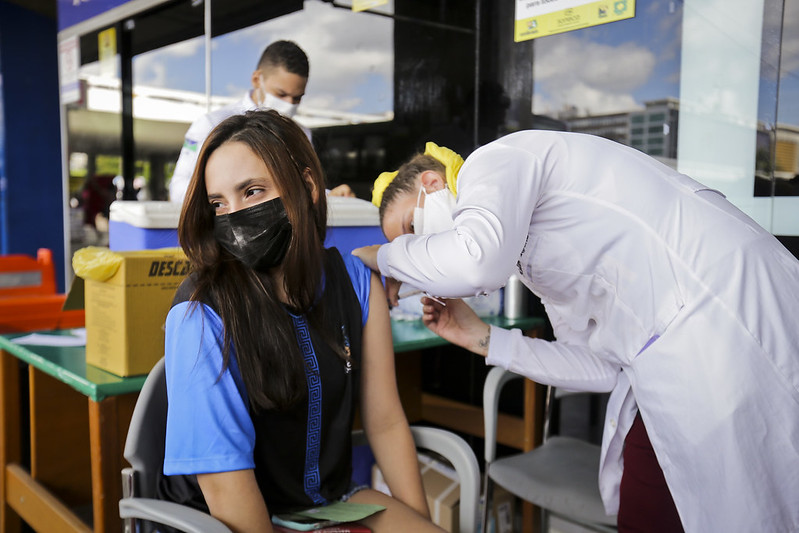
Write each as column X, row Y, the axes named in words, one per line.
column 303, row 456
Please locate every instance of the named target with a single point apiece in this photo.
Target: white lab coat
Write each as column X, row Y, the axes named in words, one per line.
column 620, row 249
column 195, row 137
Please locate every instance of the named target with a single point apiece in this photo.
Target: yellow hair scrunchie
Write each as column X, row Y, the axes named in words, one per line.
column 451, row 161
column 382, row 181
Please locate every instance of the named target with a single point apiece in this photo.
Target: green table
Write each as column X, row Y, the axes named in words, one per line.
column 68, row 365
column 413, row 335
column 74, row 407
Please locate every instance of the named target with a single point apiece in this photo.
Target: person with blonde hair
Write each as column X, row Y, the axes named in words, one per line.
column 659, row 291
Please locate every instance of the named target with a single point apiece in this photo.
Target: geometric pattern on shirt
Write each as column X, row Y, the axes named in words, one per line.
column 313, row 434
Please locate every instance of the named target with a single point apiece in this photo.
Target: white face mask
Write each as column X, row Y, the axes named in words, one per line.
column 271, row 101
column 436, row 215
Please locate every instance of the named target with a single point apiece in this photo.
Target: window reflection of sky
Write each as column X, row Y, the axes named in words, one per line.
column 608, row 68
column 617, row 67
column 612, row 67
column 350, row 55
column 789, row 66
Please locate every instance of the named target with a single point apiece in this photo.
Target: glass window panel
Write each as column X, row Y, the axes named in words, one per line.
column 785, row 162
column 608, row 75
column 169, row 93
column 719, row 90
column 93, row 129
column 351, row 62
column 718, row 104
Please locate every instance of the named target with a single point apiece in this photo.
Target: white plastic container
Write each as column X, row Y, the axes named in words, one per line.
column 351, row 223
column 135, row 225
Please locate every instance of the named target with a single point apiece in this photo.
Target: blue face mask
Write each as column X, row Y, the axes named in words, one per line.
column 258, row 236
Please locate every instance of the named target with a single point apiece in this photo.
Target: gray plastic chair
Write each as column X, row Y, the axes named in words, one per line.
column 560, row 476
column 144, row 450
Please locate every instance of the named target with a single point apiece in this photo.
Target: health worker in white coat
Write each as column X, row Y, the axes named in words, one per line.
column 658, row 290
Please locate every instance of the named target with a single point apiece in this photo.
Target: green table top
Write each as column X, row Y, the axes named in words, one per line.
column 413, row 335
column 68, row 363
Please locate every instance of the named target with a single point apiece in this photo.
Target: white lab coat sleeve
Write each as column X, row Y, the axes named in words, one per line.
column 498, row 187
column 184, row 168
column 559, row 364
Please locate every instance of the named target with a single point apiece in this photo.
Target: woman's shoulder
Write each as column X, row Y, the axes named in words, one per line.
column 358, row 272
column 187, row 290
column 189, row 310
column 359, row 275
column 354, row 265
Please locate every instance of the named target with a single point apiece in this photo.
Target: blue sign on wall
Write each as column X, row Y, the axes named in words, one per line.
column 71, row 12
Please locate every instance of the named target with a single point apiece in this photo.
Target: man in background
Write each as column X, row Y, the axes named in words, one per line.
column 278, row 83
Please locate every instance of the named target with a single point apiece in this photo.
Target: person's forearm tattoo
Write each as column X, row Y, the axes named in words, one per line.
column 484, row 342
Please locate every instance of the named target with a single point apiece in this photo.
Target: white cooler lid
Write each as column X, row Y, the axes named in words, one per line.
column 341, row 211
column 344, row 211
column 150, row 214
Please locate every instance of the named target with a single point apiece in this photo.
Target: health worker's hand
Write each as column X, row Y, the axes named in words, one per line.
column 368, row 254
column 392, row 287
column 457, row 323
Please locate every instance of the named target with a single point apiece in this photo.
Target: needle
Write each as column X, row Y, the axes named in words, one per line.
column 414, row 292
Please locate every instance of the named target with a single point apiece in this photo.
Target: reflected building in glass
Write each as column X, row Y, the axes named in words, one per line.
column 652, row 130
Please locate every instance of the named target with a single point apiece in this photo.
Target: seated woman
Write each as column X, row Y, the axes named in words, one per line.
column 270, row 342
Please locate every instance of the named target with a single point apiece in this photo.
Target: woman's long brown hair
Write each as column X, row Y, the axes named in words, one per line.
column 255, row 322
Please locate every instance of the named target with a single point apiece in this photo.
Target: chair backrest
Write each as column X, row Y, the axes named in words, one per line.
column 461, row 456
column 559, row 476
column 496, row 379
column 144, row 446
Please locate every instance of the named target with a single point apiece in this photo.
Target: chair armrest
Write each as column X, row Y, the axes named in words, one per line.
column 171, row 514
column 462, row 458
column 496, row 379
column 458, row 452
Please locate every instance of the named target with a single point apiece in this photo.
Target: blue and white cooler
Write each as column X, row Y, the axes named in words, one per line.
column 135, row 225
column 352, row 223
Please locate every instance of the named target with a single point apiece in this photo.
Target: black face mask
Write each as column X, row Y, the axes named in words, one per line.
column 258, row 236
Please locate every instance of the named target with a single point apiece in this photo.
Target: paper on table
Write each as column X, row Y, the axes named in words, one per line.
column 342, row 511
column 77, row 338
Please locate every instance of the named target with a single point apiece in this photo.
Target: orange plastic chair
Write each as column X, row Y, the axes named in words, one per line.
column 28, row 298
column 22, row 275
